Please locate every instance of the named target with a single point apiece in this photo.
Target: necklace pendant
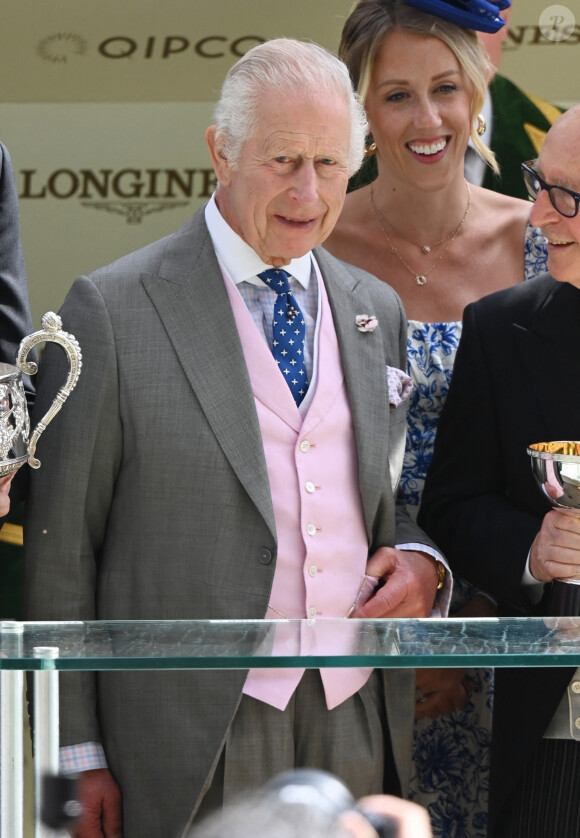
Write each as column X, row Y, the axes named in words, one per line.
column 425, row 248
column 420, row 279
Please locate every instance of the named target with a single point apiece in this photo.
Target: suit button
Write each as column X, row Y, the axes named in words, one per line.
column 265, row 556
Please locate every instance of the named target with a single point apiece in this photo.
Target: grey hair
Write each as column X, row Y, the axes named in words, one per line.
column 371, row 21
column 286, row 66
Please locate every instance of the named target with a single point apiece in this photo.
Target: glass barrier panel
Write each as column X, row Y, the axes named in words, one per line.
column 243, row 644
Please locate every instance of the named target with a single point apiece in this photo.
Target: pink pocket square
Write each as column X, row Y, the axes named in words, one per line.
column 399, row 384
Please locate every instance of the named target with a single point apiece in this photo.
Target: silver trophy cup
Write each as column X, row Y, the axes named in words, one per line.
column 556, row 468
column 16, row 444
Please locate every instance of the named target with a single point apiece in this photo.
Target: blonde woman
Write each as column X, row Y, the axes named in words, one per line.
column 441, row 243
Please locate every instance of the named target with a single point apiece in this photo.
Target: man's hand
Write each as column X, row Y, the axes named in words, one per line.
column 5, row 494
column 555, row 552
column 412, row 819
column 100, row 798
column 410, row 584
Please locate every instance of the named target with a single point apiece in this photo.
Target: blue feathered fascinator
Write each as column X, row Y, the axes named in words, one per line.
column 482, row 15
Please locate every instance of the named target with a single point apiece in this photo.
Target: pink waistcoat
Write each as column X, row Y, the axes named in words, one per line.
column 313, row 471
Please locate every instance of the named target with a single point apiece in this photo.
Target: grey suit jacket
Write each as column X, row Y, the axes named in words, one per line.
column 153, row 501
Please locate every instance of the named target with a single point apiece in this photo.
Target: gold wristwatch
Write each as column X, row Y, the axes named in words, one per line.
column 441, row 575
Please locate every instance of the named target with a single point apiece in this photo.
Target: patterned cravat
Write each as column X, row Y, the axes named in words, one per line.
column 288, row 332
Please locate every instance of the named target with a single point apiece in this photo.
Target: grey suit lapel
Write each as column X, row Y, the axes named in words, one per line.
column 363, row 360
column 192, row 302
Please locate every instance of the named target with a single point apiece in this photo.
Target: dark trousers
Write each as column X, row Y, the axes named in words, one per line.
column 546, row 803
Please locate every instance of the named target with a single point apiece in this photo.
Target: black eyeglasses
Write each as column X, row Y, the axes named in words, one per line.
column 563, row 200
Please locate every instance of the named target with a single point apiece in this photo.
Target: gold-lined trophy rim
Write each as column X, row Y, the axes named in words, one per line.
column 566, row 451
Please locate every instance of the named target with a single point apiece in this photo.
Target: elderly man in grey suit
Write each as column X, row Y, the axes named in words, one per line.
column 232, row 450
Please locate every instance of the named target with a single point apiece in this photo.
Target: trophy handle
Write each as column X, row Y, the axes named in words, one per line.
column 51, row 331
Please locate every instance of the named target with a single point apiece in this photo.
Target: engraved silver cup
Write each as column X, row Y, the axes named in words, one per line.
column 556, row 469
column 15, row 446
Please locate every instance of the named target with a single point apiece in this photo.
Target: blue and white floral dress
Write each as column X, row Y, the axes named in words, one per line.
column 450, row 772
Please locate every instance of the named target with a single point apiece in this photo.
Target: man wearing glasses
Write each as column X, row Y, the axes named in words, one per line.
column 516, row 381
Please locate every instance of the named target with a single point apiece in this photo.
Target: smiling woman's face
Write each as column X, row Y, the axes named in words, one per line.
column 419, row 109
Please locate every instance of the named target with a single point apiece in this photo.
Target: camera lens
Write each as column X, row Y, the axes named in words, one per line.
column 325, row 794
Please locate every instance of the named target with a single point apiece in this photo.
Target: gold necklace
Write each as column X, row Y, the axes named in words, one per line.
column 425, row 248
column 420, row 279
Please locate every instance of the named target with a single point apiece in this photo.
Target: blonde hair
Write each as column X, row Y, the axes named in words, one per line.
column 371, row 21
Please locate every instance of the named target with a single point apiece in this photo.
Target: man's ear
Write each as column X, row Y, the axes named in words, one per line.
column 218, row 159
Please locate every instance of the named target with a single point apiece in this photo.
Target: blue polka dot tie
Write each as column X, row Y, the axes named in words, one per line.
column 288, row 332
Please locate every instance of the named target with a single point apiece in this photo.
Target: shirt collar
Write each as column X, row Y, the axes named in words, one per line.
column 241, row 263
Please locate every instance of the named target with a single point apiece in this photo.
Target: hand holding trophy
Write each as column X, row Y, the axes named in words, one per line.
column 556, row 468
column 15, row 446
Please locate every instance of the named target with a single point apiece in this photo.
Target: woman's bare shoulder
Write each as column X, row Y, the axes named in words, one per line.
column 503, row 205
column 501, row 216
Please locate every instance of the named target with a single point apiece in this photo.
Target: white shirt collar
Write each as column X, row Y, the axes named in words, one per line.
column 241, row 263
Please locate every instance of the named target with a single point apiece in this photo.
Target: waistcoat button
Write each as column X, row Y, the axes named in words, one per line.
column 265, row 556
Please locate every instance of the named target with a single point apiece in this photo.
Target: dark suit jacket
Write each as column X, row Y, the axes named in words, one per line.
column 15, row 323
column 514, row 383
column 15, row 319
column 153, row 502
